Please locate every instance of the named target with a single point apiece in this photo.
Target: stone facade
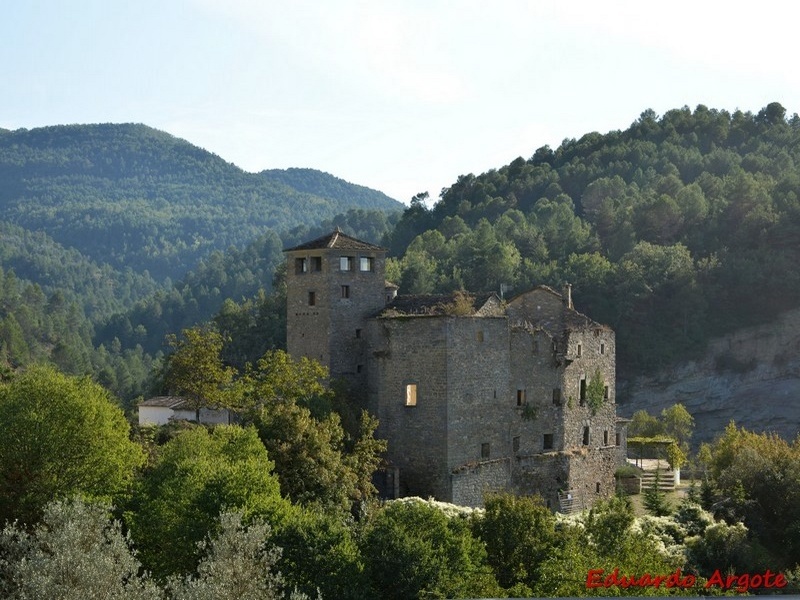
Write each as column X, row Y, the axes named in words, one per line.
column 473, row 394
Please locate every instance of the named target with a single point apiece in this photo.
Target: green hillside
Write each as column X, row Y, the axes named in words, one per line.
column 677, row 228
column 132, row 196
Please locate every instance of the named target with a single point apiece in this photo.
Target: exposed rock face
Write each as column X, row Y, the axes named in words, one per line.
column 751, row 377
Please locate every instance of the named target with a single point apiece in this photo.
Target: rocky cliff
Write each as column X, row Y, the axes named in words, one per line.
column 751, row 377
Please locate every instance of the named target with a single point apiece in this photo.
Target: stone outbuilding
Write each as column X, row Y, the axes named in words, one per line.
column 473, row 393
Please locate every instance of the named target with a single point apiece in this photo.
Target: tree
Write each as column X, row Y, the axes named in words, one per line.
column 62, row 436
column 238, row 564
column 655, row 501
column 197, row 474
column 678, row 424
column 414, row 550
column 195, row 371
column 315, row 459
column 519, row 533
column 76, row 552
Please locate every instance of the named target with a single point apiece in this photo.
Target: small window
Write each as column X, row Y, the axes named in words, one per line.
column 597, row 487
column 345, row 291
column 359, row 368
column 596, row 333
column 479, row 336
column 602, row 348
column 605, row 392
column 316, row 264
column 411, row 394
column 366, row 263
column 605, row 438
column 617, row 438
column 583, row 391
column 515, row 443
column 557, row 396
column 520, row 397
column 358, row 333
column 586, row 436
column 345, row 263
column 300, row 265
column 580, row 349
column 547, row 441
column 485, row 450
column 312, row 298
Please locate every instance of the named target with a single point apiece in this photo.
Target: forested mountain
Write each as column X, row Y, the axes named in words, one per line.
column 678, row 228
column 311, row 181
column 136, row 197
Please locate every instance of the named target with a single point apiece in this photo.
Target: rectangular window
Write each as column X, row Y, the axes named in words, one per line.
column 366, row 263
column 515, row 443
column 358, row 333
column 547, row 441
column 597, row 487
column 520, row 397
column 557, row 396
column 605, row 438
column 316, row 263
column 485, row 450
column 411, row 394
column 580, row 349
column 616, row 438
column 359, row 368
column 605, row 392
column 312, row 298
column 300, row 265
column 602, row 348
column 345, row 263
column 583, row 391
column 586, row 436
column 345, row 291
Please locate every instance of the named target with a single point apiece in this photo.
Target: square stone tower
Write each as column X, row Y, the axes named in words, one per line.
column 333, row 284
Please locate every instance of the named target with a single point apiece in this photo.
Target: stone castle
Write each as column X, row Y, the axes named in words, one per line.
column 473, row 393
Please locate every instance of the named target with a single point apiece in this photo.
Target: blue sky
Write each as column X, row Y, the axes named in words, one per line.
column 400, row 96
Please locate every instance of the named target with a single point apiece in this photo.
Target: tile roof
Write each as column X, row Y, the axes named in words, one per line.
column 430, row 305
column 337, row 240
column 173, row 402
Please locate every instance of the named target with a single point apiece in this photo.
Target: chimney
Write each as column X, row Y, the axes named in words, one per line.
column 568, row 295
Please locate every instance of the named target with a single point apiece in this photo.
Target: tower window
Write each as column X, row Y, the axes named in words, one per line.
column 345, row 263
column 312, row 298
column 557, row 396
column 520, row 397
column 583, row 391
column 345, row 291
column 358, row 333
column 605, row 438
column 411, row 394
column 602, row 348
column 547, row 441
column 485, row 450
column 605, row 392
column 515, row 443
column 316, row 263
column 300, row 265
column 586, row 436
column 580, row 348
column 616, row 438
column 366, row 263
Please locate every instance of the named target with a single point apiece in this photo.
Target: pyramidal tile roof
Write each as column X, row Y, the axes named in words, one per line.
column 337, row 240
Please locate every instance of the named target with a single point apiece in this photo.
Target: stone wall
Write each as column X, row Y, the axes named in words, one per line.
column 331, row 329
column 480, row 404
column 403, row 352
column 471, row 483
